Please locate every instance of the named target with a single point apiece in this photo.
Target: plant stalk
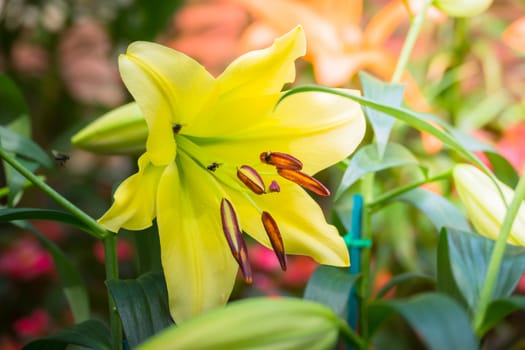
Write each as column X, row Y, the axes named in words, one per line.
column 410, row 40
column 96, row 230
column 111, row 263
column 497, row 255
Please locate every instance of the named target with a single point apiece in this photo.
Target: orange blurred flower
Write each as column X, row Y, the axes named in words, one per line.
column 514, row 35
column 338, row 47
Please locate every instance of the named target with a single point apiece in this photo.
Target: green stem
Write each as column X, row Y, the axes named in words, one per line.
column 413, row 32
column 367, row 186
column 96, row 230
column 111, row 262
column 497, row 255
column 349, row 335
column 377, row 202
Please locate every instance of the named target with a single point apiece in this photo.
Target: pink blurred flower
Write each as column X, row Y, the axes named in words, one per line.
column 300, row 268
column 208, row 32
column 520, row 288
column 89, row 73
column 51, row 229
column 26, row 260
column 36, row 324
column 263, row 259
column 124, row 251
column 29, row 58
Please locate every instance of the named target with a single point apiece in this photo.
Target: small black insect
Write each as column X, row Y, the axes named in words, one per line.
column 61, row 158
column 213, row 166
column 176, row 128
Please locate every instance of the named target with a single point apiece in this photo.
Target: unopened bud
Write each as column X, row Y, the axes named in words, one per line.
column 120, row 131
column 281, row 323
column 462, row 8
column 484, row 204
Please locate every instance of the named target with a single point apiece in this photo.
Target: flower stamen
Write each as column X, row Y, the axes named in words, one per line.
column 281, row 160
column 305, row 181
column 271, row 228
column 251, row 178
column 233, row 234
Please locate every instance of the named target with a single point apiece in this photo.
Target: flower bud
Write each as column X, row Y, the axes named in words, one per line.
column 257, row 322
column 485, row 207
column 120, row 131
column 462, row 8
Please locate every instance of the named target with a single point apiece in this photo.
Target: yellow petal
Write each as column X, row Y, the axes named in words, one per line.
column 169, row 87
column 301, row 221
column 134, row 200
column 198, row 266
column 263, row 71
column 317, row 128
column 249, row 87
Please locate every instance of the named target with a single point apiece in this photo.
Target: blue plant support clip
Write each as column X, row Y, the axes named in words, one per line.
column 354, row 244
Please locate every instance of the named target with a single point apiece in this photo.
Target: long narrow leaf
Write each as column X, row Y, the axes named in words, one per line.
column 12, row 214
column 414, row 119
column 23, row 146
column 142, row 305
column 90, row 334
column 438, row 320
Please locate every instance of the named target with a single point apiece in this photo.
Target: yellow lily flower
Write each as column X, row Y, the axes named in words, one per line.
column 222, row 160
column 484, row 204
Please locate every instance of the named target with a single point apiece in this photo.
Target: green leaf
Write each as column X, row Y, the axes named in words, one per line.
column 502, row 167
column 20, row 145
column 14, row 112
column 73, row 284
column 437, row 208
column 142, row 305
column 16, row 181
column 437, row 319
column 90, row 334
column 500, row 308
column 367, row 160
column 414, row 119
column 12, row 214
column 28, row 153
column 463, row 258
column 147, row 246
column 331, row 286
column 402, row 278
column 387, row 93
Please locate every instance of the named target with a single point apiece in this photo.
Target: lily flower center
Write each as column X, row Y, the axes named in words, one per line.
column 247, row 180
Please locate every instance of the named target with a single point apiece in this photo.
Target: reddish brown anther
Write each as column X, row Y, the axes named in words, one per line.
column 251, row 178
column 274, row 235
column 233, row 234
column 305, row 181
column 281, row 160
column 274, row 187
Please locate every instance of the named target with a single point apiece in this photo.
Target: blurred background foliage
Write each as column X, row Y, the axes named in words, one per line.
column 62, row 56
